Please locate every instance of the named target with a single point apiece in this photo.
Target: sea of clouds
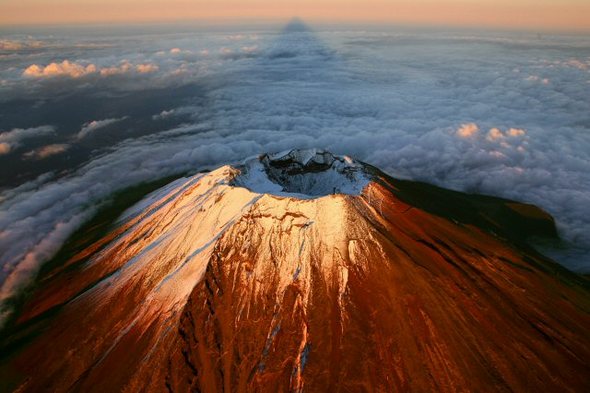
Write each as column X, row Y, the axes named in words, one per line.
column 506, row 114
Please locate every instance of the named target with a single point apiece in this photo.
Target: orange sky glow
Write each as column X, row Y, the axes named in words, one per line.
column 538, row 14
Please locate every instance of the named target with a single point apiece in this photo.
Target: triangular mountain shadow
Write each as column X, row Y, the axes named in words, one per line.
column 296, row 25
column 298, row 42
column 294, row 56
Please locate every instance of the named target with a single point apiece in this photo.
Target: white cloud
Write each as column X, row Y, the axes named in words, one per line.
column 46, row 151
column 494, row 134
column 76, row 70
column 515, row 132
column 536, row 78
column 183, row 110
column 10, row 45
column 5, row 148
column 65, row 68
column 236, row 37
column 250, row 49
column 178, row 51
column 146, row 68
column 164, row 114
column 12, row 139
column 579, row 64
column 15, row 45
column 467, row 130
column 94, row 125
column 123, row 68
column 126, row 67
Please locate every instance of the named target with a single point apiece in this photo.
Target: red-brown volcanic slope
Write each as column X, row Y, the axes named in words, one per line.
column 209, row 286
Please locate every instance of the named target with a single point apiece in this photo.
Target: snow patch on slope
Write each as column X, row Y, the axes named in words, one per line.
column 306, row 174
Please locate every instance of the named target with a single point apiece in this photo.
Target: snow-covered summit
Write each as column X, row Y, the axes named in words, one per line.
column 308, row 173
column 206, row 279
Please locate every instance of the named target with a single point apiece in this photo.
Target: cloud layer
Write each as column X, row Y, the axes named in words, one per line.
column 458, row 110
column 9, row 140
column 47, row 151
column 79, row 70
column 94, row 125
column 65, row 68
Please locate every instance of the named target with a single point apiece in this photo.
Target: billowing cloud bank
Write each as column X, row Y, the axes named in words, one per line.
column 9, row 140
column 459, row 111
column 47, row 151
column 77, row 70
column 92, row 126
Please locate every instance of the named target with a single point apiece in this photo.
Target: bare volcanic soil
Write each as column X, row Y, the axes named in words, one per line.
column 305, row 271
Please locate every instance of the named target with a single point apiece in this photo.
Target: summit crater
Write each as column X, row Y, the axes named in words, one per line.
column 310, row 173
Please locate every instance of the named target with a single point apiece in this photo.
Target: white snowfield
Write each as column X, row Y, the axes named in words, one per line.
column 166, row 241
column 168, row 238
column 304, row 174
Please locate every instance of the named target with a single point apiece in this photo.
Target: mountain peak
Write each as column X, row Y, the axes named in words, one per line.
column 309, row 173
column 304, row 270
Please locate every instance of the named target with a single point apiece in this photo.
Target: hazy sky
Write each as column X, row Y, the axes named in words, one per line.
column 548, row 14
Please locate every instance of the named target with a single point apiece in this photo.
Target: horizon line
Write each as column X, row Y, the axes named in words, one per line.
column 251, row 22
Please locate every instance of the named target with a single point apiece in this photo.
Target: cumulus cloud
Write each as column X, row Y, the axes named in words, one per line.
column 15, row 45
column 164, row 114
column 240, row 37
column 582, row 64
column 183, row 110
column 467, row 130
column 236, row 37
column 494, row 134
column 92, row 126
column 515, row 132
column 12, row 139
column 4, row 148
column 579, row 64
column 146, row 68
column 175, row 52
column 78, row 70
column 126, row 67
column 250, row 49
column 65, row 68
column 46, row 151
column 536, row 78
